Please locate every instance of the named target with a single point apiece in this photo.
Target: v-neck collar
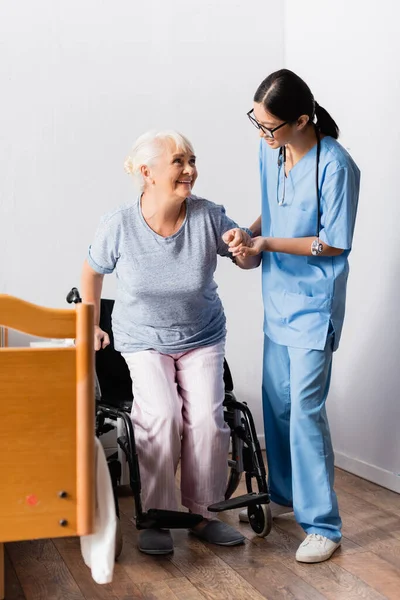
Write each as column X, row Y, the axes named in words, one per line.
column 157, row 236
column 304, row 158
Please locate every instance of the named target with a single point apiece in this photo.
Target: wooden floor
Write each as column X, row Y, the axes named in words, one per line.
column 366, row 567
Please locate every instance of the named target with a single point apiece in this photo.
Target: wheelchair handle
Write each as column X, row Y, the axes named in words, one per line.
column 73, row 297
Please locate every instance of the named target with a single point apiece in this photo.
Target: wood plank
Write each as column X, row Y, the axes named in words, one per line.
column 175, row 589
column 374, row 571
column 13, row 587
column 369, row 513
column 42, row 572
column 36, row 320
column 263, row 568
column 121, row 588
column 37, row 462
column 335, row 582
column 209, row 574
column 372, row 539
column 156, row 591
column 275, row 582
column 85, row 426
column 183, row 589
column 370, row 492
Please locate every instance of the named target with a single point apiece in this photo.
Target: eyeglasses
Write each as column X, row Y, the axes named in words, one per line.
column 269, row 133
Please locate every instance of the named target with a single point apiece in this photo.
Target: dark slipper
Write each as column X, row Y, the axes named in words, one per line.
column 217, row 532
column 155, row 541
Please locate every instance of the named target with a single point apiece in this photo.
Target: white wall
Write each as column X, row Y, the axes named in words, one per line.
column 79, row 82
column 349, row 54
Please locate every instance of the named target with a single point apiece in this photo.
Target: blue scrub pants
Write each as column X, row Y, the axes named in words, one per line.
column 298, row 441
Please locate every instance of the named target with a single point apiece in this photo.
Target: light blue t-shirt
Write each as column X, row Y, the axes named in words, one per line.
column 303, row 294
column 166, row 294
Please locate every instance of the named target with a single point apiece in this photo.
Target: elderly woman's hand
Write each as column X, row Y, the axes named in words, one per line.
column 101, row 339
column 237, row 239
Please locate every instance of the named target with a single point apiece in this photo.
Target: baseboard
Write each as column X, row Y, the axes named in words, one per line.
column 386, row 479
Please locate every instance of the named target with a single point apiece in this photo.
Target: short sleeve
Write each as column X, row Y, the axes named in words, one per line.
column 225, row 225
column 104, row 251
column 339, row 201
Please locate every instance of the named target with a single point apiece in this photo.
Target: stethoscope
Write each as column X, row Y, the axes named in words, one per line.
column 316, row 246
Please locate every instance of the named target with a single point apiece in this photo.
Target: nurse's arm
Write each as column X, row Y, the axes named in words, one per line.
column 238, row 238
column 256, row 227
column 250, row 262
column 298, row 246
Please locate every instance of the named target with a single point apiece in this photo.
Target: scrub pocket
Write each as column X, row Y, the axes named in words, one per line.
column 308, row 318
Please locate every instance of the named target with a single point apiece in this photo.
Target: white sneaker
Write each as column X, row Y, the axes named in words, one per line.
column 276, row 511
column 316, row 548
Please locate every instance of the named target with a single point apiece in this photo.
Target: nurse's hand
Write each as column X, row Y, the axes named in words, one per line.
column 236, row 239
column 258, row 245
column 101, row 339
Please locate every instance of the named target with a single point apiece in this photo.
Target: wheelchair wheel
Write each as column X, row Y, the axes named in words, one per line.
column 235, row 472
column 260, row 518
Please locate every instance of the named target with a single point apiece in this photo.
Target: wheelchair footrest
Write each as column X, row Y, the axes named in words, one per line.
column 240, row 502
column 167, row 519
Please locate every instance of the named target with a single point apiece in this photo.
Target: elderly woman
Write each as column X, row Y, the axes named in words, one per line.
column 169, row 325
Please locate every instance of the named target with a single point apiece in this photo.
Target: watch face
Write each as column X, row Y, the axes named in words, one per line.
column 316, row 247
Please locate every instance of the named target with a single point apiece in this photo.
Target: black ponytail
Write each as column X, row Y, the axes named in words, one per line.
column 325, row 123
column 286, row 96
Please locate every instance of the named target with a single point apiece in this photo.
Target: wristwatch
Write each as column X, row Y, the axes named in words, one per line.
column 316, row 247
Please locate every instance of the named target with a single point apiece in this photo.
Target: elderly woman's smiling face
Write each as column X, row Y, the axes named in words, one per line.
column 173, row 173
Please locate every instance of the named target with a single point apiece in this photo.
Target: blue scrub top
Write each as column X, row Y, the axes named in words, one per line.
column 304, row 294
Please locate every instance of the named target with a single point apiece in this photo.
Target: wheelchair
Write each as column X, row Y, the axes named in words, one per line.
column 114, row 398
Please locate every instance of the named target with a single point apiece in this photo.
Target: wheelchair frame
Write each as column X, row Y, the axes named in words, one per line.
column 246, row 458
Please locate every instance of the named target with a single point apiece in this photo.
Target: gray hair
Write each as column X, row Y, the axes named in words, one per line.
column 148, row 147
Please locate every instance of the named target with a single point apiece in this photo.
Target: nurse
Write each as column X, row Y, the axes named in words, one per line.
column 310, row 188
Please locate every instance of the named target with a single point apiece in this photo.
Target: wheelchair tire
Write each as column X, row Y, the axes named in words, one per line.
column 260, row 519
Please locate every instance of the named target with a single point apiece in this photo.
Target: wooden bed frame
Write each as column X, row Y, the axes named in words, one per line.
column 47, row 426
